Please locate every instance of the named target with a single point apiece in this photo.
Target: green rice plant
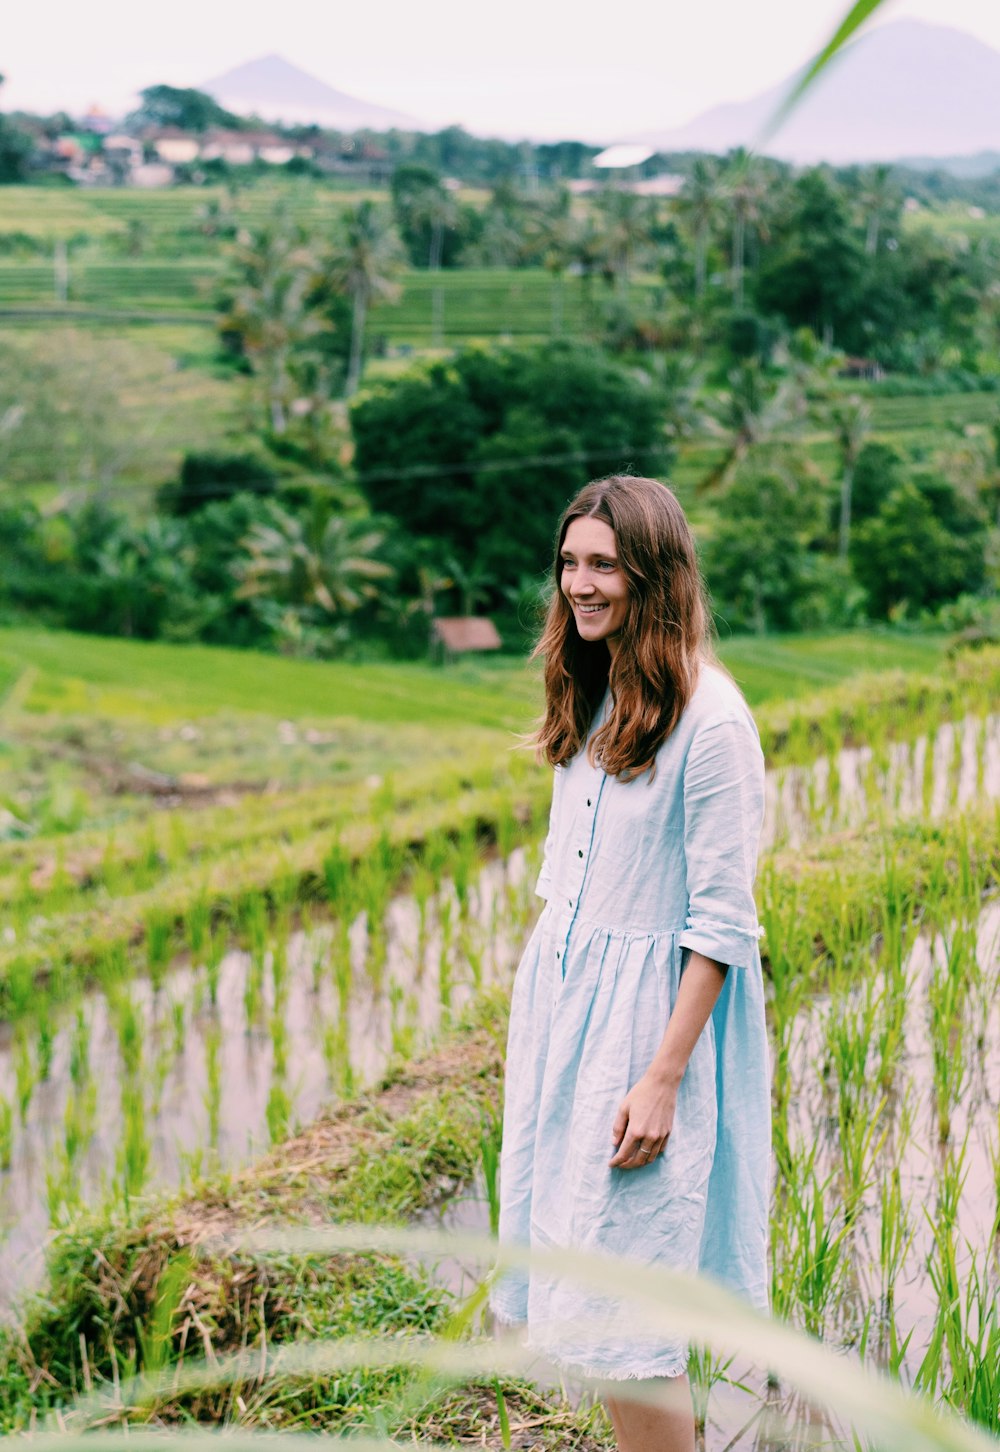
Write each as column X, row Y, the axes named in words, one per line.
column 338, row 871
column 150, row 861
column 462, row 863
column 422, row 886
column 809, row 1267
column 253, row 924
column 279, row 1043
column 198, row 922
column 214, row 953
column 946, row 1005
column 6, row 1132
column 25, row 1075
column 472, row 953
column 45, row 1042
column 79, row 1050
column 130, row 1030
column 279, row 965
column 862, row 1135
column 490, row 1142
column 706, row 1370
column 213, row 1078
column 111, row 872
column 79, row 1120
column 253, row 995
column 20, row 987
column 62, row 1187
column 278, row 1112
column 343, row 972
column 135, row 1147
column 896, row 1233
column 401, row 1020
column 178, row 1015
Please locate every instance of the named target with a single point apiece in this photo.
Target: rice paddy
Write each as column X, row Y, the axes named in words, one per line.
column 187, row 990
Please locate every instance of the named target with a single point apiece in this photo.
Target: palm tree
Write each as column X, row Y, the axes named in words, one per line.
column 745, row 189
column 626, row 222
column 851, row 421
column 699, row 202
column 324, row 558
column 267, row 309
column 879, row 200
column 364, row 264
column 753, row 410
column 553, row 237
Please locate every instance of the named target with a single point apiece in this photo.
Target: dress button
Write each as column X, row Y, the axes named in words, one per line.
column 588, row 801
column 571, row 902
column 579, row 854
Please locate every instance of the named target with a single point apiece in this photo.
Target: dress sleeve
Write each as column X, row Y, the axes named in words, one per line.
column 723, row 813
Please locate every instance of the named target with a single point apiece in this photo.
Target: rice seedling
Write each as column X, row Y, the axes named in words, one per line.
column 135, row 1147
column 79, row 1050
column 130, row 1030
column 6, row 1132
column 279, row 1043
column 401, row 1019
column 278, row 1112
column 490, row 1138
column 45, row 1043
column 214, row 952
column 213, row 1078
column 79, row 1120
column 198, row 923
column 25, row 1075
column 179, row 1024
column 946, row 1004
column 896, row 1234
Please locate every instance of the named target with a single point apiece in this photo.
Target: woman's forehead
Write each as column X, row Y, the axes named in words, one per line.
column 586, row 535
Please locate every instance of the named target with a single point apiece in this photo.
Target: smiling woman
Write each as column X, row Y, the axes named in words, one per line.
column 637, row 1104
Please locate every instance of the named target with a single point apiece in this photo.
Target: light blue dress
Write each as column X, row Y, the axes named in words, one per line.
column 636, row 874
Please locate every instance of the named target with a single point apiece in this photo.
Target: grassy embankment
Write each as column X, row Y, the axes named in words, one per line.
column 98, row 731
column 397, row 1152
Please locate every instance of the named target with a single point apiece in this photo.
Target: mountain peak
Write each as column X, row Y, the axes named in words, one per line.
column 276, row 90
column 901, row 88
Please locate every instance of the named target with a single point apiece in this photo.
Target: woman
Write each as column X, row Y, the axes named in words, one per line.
column 637, row 1102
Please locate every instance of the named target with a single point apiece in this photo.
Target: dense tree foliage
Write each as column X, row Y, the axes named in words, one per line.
column 188, row 109
column 482, row 453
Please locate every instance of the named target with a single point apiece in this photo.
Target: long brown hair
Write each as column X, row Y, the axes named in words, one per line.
column 662, row 642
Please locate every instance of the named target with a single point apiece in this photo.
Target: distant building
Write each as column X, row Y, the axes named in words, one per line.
column 459, row 634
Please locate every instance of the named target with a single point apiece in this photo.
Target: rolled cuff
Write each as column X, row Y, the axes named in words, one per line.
column 543, row 887
column 722, row 942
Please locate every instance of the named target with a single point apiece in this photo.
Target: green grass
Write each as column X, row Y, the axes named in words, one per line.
column 159, row 682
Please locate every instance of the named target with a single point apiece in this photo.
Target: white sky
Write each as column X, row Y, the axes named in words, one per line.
column 544, row 68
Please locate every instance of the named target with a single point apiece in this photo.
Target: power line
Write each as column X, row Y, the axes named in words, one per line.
column 225, row 488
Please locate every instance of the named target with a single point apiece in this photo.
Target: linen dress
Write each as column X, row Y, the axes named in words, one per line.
column 636, row 875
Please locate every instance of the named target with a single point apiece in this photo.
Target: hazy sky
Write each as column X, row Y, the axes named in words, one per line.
column 534, row 67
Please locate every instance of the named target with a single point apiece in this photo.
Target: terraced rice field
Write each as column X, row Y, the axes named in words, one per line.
column 184, row 986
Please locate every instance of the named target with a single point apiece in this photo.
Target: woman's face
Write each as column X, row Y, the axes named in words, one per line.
column 593, row 581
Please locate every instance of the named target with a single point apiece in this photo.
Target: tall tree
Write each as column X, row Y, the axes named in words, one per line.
column 626, row 222
column 322, row 558
column 746, row 186
column 364, row 263
column 699, row 203
column 266, row 309
column 851, row 420
column 880, row 201
column 552, row 239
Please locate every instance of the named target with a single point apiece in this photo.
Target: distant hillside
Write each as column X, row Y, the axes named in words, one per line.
column 275, row 90
column 905, row 89
column 983, row 163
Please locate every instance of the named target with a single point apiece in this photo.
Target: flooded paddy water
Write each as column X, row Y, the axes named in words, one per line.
column 887, row 1088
